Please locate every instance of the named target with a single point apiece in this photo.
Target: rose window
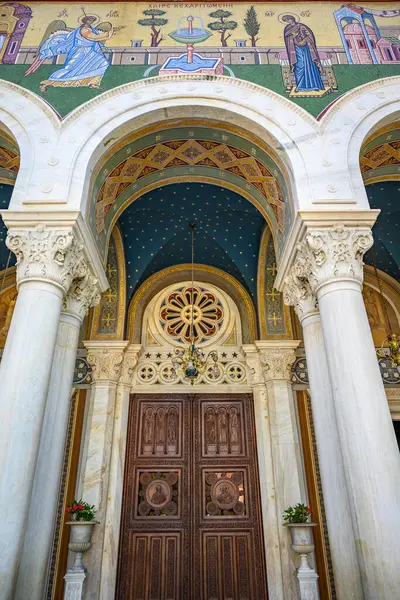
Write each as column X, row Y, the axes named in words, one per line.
column 178, row 311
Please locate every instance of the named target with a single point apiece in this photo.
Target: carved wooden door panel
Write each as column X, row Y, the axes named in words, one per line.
column 191, row 522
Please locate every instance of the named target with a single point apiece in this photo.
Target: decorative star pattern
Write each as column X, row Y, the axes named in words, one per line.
column 385, row 195
column 156, row 232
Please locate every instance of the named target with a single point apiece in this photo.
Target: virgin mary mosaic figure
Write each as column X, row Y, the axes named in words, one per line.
column 303, row 55
column 85, row 63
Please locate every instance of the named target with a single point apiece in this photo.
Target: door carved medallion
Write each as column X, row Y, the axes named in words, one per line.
column 191, row 520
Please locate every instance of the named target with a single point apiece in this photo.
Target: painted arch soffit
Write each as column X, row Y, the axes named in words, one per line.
column 189, row 151
column 380, row 155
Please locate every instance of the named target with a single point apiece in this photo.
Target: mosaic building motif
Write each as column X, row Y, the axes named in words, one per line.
column 307, row 54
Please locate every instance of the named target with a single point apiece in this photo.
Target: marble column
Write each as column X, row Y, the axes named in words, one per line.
column 270, row 515
column 343, row 550
column 277, row 358
column 116, row 479
column 106, row 359
column 32, row 574
column 330, row 259
column 47, row 262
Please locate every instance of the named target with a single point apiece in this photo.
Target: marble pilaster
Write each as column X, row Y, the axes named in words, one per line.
column 270, row 515
column 277, row 358
column 83, row 294
column 330, row 258
column 48, row 260
column 106, row 359
column 116, row 477
column 297, row 293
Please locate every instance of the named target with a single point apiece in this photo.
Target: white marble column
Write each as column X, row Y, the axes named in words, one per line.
column 330, row 258
column 277, row 358
column 32, row 574
column 346, row 569
column 106, row 359
column 270, row 515
column 47, row 261
column 116, row 479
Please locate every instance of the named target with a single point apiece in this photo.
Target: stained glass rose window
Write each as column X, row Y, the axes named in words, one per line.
column 177, row 309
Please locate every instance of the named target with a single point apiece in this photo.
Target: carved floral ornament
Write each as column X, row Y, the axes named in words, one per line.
column 106, row 363
column 47, row 254
column 277, row 363
column 83, row 295
column 323, row 256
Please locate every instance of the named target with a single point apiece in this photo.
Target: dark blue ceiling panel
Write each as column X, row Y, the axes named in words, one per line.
column 156, row 232
column 386, row 196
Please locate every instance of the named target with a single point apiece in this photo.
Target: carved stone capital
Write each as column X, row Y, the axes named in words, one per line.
column 254, row 366
column 83, row 294
column 129, row 363
column 297, row 293
column 105, row 360
column 48, row 255
column 277, row 358
column 333, row 253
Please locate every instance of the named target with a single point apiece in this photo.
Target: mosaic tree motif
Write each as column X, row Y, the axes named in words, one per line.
column 185, row 305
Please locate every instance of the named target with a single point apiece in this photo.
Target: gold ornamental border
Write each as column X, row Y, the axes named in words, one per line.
column 119, row 334
column 181, row 123
column 262, row 260
column 251, row 312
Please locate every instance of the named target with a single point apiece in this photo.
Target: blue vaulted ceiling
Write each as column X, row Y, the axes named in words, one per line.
column 385, row 195
column 5, row 196
column 156, row 232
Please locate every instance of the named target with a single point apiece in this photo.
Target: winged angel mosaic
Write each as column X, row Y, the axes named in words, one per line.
column 84, row 46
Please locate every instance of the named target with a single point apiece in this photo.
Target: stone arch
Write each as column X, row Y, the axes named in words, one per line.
column 347, row 124
column 101, row 121
column 154, row 284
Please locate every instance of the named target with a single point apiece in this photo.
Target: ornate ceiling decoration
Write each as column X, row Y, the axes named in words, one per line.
column 380, row 155
column 193, row 153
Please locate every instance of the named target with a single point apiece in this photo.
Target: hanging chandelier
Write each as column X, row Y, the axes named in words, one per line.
column 391, row 344
column 192, row 362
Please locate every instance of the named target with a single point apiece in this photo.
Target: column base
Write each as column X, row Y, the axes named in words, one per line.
column 308, row 581
column 74, row 585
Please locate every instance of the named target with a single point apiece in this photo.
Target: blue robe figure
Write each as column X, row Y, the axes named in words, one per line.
column 85, row 63
column 303, row 55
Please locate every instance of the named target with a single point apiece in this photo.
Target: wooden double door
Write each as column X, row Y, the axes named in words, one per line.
column 191, row 522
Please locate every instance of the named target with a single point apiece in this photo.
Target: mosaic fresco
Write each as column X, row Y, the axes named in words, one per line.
column 309, row 52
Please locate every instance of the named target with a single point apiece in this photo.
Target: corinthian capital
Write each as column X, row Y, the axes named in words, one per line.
column 105, row 359
column 83, row 294
column 277, row 358
column 332, row 253
column 47, row 254
column 297, row 293
column 129, row 364
column 253, row 362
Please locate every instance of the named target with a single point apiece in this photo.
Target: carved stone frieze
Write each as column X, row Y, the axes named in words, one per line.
column 106, row 363
column 332, row 253
column 277, row 363
column 47, row 254
column 83, row 294
column 254, row 366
